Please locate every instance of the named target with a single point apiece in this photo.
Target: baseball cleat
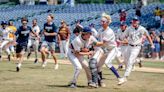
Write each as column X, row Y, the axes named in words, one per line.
column 73, row 85
column 121, row 81
column 93, row 85
column 44, row 64
column 56, row 66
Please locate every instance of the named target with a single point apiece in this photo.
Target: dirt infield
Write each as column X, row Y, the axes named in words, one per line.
column 143, row 69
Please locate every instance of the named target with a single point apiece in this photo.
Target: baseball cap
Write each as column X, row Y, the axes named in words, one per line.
column 135, row 18
column 123, row 24
column 3, row 23
column 122, row 10
column 86, row 30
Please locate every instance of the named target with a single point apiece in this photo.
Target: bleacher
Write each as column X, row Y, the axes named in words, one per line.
column 87, row 13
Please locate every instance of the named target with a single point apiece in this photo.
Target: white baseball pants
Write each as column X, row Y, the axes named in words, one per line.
column 35, row 44
column 132, row 53
column 64, row 48
column 3, row 44
column 79, row 62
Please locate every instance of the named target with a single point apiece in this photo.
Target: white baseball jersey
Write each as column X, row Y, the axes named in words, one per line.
column 119, row 34
column 5, row 33
column 36, row 29
column 108, row 37
column 79, row 43
column 135, row 35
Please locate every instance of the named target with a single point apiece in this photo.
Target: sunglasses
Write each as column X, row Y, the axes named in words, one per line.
column 24, row 23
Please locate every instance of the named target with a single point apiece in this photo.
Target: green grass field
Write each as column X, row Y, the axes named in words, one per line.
column 33, row 78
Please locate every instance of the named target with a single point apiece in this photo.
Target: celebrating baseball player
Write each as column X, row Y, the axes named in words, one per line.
column 135, row 35
column 49, row 41
column 79, row 48
column 108, row 49
column 5, row 39
column 33, row 40
column 12, row 29
column 22, row 34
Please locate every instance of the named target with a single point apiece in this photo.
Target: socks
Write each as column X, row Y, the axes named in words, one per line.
column 115, row 72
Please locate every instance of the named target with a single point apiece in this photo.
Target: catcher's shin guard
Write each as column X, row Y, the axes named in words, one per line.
column 94, row 70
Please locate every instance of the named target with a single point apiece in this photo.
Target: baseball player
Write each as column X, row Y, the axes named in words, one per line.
column 122, row 44
column 5, row 39
column 108, row 45
column 135, row 34
column 79, row 48
column 49, row 41
column 33, row 40
column 22, row 34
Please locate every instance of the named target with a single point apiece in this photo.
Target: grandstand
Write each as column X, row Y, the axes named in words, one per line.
column 86, row 13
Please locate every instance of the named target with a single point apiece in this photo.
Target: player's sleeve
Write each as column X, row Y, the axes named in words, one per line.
column 37, row 30
column 93, row 39
column 76, row 46
column 17, row 32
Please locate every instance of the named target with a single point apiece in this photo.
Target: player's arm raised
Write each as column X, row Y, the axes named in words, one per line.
column 149, row 38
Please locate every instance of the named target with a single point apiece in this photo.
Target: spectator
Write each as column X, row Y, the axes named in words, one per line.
column 122, row 15
column 162, row 23
column 156, row 40
column 138, row 12
column 157, row 13
column 139, row 4
column 63, row 39
column 162, row 45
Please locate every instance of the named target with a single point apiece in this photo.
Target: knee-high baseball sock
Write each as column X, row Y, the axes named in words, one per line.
column 115, row 72
column 100, row 74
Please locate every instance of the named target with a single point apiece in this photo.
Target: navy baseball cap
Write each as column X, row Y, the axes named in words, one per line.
column 3, row 23
column 86, row 30
column 123, row 24
column 135, row 18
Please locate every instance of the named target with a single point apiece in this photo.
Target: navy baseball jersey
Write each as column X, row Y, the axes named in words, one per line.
column 50, row 28
column 23, row 34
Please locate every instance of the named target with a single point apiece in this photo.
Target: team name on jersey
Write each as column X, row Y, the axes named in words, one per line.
column 25, row 32
column 48, row 28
